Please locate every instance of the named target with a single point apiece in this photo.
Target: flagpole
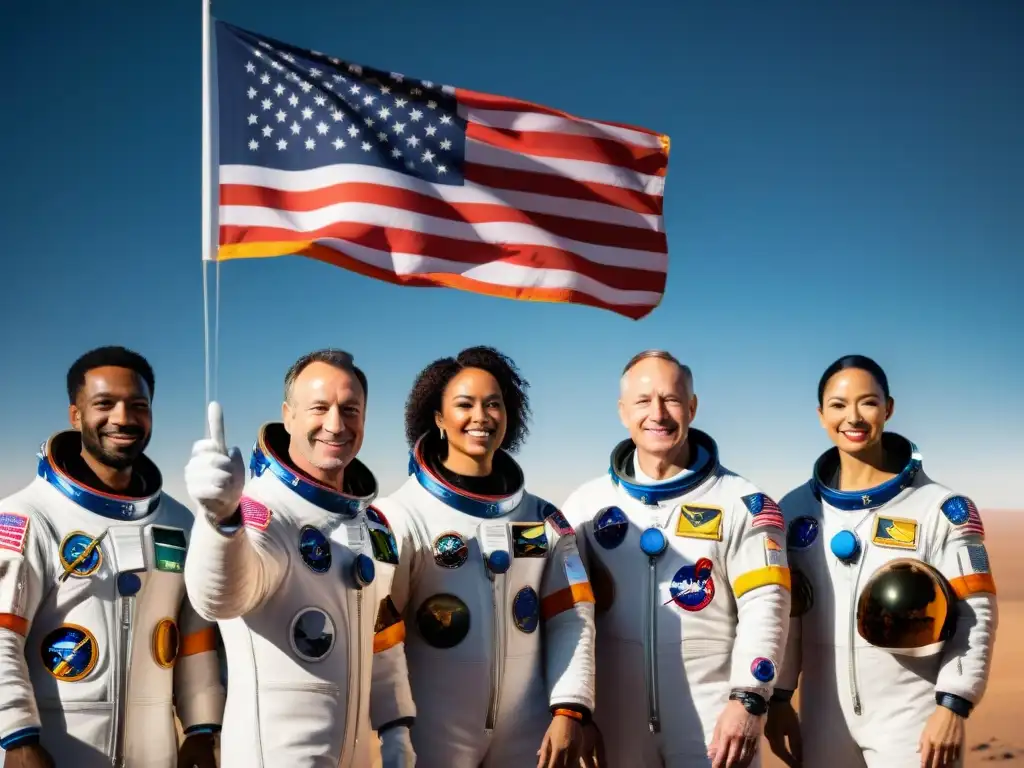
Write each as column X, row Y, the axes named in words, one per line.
column 209, row 224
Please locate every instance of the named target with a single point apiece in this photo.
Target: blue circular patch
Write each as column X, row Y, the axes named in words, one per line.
column 692, row 587
column 802, row 533
column 363, row 570
column 73, row 547
column 845, row 545
column 499, row 562
column 443, row 621
column 610, row 527
column 526, row 609
column 315, row 549
column 312, row 634
column 69, row 652
column 450, row 550
column 763, row 670
column 128, row 584
column 653, row 542
column 956, row 509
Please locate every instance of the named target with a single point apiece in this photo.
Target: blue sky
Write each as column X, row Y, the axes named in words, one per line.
column 842, row 179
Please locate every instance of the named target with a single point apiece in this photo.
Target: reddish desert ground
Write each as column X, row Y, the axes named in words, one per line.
column 995, row 731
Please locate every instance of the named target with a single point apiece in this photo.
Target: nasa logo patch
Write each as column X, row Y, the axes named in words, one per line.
column 450, row 550
column 802, row 533
column 77, row 557
column 312, row 634
column 693, row 588
column 382, row 540
column 166, row 642
column 69, row 653
column 610, row 527
column 314, row 549
column 526, row 609
column 763, row 670
column 443, row 621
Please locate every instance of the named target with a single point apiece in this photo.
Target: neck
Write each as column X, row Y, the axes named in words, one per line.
column 117, row 479
column 332, row 478
column 866, row 470
column 469, row 466
column 661, row 467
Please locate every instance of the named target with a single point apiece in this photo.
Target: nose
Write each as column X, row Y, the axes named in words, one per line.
column 333, row 422
column 479, row 413
column 119, row 415
column 658, row 406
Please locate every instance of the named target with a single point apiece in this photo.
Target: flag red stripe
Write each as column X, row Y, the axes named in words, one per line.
column 458, row 282
column 644, row 160
column 596, row 232
column 505, row 103
column 560, row 186
column 406, row 241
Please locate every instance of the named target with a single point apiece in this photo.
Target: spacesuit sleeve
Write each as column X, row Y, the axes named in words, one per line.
column 758, row 569
column 231, row 570
column 198, row 692
column 963, row 560
column 391, row 701
column 567, row 613
column 25, row 573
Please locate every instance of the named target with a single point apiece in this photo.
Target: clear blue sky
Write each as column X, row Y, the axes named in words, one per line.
column 842, row 179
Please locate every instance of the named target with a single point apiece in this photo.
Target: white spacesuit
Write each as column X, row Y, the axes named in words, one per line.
column 98, row 644
column 693, row 601
column 500, row 618
column 299, row 589
column 861, row 705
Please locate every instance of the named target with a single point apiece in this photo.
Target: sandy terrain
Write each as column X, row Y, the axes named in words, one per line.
column 995, row 731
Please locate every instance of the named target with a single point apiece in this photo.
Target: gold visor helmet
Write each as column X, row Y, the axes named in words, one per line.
column 907, row 608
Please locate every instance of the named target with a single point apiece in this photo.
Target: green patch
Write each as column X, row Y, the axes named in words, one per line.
column 169, row 548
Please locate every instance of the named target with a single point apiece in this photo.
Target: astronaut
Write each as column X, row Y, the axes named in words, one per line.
column 689, row 570
column 499, row 608
column 295, row 567
column 99, row 647
column 869, row 503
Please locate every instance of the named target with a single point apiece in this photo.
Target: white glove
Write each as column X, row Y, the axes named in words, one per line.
column 396, row 748
column 213, row 477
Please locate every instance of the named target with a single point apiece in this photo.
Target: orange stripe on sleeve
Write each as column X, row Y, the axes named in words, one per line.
column 198, row 642
column 973, row 584
column 14, row 623
column 564, row 599
column 389, row 638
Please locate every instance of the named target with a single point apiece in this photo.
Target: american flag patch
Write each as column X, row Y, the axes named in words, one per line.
column 765, row 511
column 13, row 530
column 973, row 559
column 254, row 514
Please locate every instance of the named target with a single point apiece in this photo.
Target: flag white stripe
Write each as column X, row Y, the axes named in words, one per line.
column 576, row 170
column 496, row 273
column 535, row 121
column 327, row 176
column 500, row 233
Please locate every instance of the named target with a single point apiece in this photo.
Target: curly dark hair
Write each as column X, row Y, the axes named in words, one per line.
column 425, row 397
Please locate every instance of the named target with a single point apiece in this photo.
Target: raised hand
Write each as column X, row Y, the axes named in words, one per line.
column 215, row 478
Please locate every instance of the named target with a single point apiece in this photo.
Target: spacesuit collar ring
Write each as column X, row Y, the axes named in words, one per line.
column 620, row 470
column 104, row 504
column 271, row 445
column 826, row 467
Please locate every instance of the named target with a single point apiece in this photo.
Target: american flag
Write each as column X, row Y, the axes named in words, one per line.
column 13, row 529
column 421, row 184
column 254, row 514
column 765, row 511
column 973, row 524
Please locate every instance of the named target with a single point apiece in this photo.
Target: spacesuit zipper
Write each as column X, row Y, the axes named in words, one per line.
column 853, row 658
column 355, row 685
column 651, row 649
column 498, row 649
column 127, row 605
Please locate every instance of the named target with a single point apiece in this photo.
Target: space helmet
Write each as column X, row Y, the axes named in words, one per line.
column 907, row 608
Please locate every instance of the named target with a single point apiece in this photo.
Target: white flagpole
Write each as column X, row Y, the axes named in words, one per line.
column 209, row 214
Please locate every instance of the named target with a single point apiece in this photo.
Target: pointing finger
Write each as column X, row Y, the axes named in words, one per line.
column 215, row 416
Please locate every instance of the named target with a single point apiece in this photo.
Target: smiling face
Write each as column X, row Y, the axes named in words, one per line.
column 324, row 416
column 112, row 412
column 854, row 411
column 473, row 418
column 657, row 407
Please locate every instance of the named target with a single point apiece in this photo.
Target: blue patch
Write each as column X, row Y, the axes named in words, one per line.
column 692, row 587
column 957, row 510
column 363, row 571
column 846, row 546
column 526, row 609
column 499, row 561
column 128, row 584
column 653, row 542
column 610, row 527
column 802, row 533
column 315, row 549
column 450, row 550
column 763, row 670
column 73, row 547
column 69, row 653
column 312, row 634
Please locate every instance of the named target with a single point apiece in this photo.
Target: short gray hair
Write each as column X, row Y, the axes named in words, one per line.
column 338, row 358
column 659, row 354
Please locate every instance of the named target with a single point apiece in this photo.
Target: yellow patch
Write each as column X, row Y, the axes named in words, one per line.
column 895, row 532
column 699, row 522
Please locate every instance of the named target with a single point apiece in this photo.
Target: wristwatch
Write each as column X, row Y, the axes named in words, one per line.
column 754, row 703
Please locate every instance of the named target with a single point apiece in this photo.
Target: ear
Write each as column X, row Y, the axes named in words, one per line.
column 693, row 406
column 821, row 417
column 438, row 420
column 75, row 417
column 622, row 414
column 890, row 406
column 286, row 416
